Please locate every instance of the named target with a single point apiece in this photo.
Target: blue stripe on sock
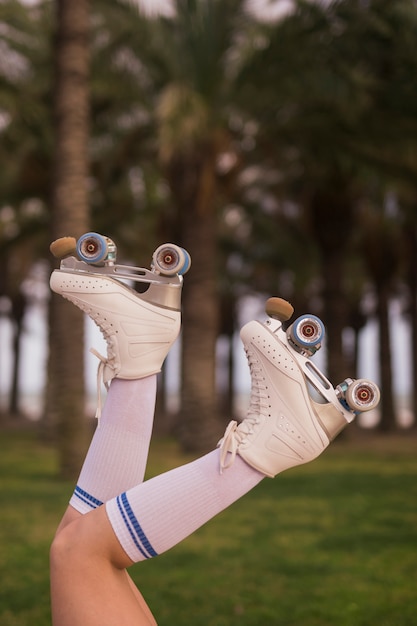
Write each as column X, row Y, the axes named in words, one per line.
column 136, row 532
column 87, row 498
column 139, row 531
column 126, row 521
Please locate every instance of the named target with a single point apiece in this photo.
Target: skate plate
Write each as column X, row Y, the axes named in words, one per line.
column 127, row 272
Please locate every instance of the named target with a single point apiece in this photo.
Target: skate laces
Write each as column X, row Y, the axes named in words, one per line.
column 259, row 399
column 235, row 433
column 102, row 373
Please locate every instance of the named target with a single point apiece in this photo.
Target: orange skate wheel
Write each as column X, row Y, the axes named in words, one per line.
column 279, row 309
column 64, row 246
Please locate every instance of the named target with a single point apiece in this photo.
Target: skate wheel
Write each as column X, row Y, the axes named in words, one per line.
column 187, row 262
column 170, row 259
column 279, row 309
column 64, row 246
column 362, row 395
column 92, row 248
column 306, row 333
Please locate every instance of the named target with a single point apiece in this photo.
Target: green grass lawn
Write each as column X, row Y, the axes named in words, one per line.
column 333, row 543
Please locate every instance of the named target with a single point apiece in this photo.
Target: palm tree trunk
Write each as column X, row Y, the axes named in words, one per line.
column 332, row 222
column 410, row 237
column 193, row 185
column 413, row 316
column 387, row 422
column 18, row 313
column 70, row 216
column 227, row 330
column 335, row 315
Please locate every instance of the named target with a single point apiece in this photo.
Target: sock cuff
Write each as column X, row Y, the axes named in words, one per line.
column 83, row 501
column 128, row 530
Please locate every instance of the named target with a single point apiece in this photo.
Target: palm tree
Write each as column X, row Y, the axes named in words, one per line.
column 183, row 75
column 193, row 133
column 23, row 180
column 70, row 216
column 410, row 274
column 333, row 127
column 305, row 126
column 382, row 253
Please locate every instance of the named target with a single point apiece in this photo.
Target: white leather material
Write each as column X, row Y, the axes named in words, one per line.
column 138, row 334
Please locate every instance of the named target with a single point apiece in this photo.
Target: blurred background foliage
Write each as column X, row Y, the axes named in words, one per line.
column 275, row 141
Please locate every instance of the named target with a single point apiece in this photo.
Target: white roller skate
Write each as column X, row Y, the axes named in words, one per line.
column 139, row 328
column 285, row 426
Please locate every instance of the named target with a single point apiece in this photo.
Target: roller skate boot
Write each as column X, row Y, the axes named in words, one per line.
column 139, row 327
column 284, row 425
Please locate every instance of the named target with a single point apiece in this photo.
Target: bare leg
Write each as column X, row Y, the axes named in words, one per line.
column 88, row 563
column 72, row 515
column 69, row 516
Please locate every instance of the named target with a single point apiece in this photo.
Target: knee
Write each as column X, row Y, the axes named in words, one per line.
column 65, row 548
column 85, row 542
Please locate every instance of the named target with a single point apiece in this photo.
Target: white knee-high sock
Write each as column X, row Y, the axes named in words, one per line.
column 161, row 512
column 117, row 456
